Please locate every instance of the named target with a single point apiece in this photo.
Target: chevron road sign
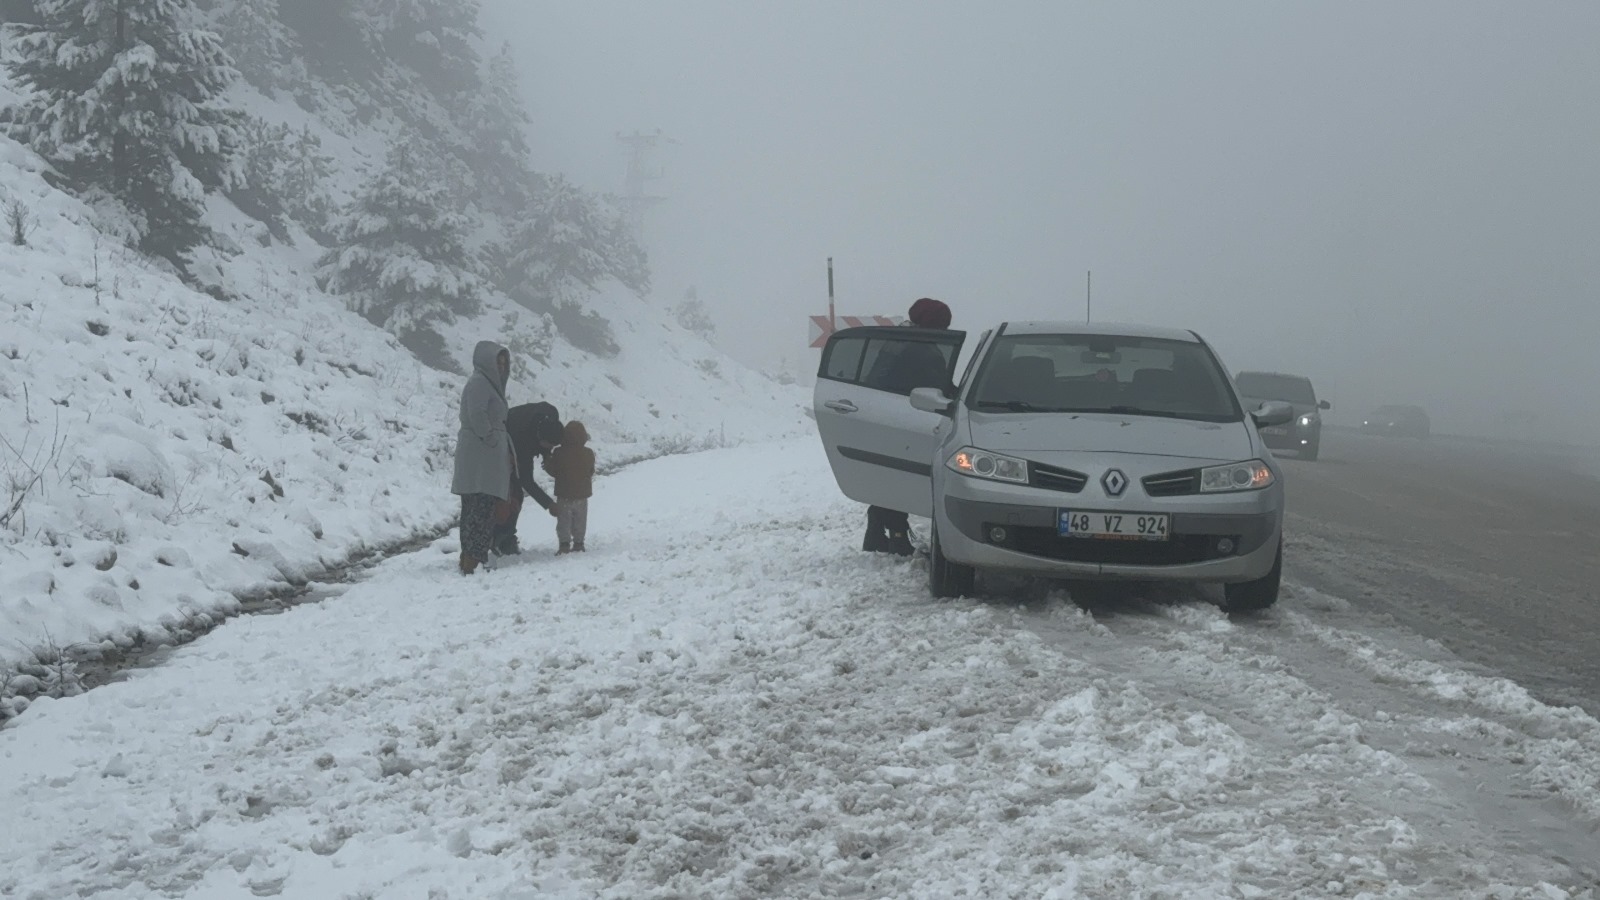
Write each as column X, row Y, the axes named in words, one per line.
column 822, row 327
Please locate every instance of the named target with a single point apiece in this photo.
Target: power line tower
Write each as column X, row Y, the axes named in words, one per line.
column 636, row 196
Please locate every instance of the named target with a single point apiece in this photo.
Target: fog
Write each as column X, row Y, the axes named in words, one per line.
column 1398, row 200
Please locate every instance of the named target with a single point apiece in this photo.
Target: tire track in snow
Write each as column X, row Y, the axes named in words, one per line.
column 1493, row 765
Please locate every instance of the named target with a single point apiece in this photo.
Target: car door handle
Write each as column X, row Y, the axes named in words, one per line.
column 844, row 406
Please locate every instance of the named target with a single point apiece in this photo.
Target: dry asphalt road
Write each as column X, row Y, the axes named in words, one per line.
column 1493, row 550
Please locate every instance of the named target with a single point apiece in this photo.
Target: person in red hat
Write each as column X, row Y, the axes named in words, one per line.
column 929, row 313
column 918, row 365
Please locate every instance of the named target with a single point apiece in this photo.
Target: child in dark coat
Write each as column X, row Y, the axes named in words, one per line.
column 571, row 466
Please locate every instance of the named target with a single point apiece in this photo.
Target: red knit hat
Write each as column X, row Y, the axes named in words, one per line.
column 930, row 313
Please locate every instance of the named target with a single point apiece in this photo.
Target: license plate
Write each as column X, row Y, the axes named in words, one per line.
column 1275, row 431
column 1112, row 526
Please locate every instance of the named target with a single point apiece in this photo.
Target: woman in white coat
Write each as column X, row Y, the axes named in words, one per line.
column 483, row 451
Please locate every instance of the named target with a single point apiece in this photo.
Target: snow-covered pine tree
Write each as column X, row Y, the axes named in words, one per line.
column 336, row 48
column 557, row 260
column 627, row 261
column 125, row 101
column 262, row 47
column 437, row 39
column 284, row 174
column 693, row 315
column 305, row 180
column 494, row 120
column 260, row 192
column 559, row 246
column 401, row 259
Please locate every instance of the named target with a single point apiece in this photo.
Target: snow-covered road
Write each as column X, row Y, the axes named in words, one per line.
column 724, row 699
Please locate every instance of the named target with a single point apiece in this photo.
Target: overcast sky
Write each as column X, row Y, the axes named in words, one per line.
column 1401, row 200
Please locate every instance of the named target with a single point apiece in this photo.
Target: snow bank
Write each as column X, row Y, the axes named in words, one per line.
column 165, row 450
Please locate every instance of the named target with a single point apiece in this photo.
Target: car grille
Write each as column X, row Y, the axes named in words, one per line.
column 1053, row 479
column 1178, row 550
column 1173, row 484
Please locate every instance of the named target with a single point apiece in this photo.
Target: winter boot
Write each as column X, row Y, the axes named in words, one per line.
column 469, row 563
column 507, row 545
column 899, row 544
column 564, row 549
column 578, row 547
column 875, row 541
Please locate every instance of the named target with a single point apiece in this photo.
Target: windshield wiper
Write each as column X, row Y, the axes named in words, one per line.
column 1157, row 413
column 1010, row 406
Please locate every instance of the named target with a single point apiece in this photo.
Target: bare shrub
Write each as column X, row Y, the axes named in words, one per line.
column 20, row 221
column 23, row 470
column 184, row 504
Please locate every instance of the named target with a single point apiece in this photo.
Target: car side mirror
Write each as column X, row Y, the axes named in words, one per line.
column 1273, row 412
column 1324, row 405
column 932, row 400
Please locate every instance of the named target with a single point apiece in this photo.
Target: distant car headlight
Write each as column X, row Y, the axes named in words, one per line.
column 1306, row 421
column 994, row 466
column 1245, row 476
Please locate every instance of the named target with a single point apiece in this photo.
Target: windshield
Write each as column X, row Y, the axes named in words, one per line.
column 1055, row 373
column 1264, row 386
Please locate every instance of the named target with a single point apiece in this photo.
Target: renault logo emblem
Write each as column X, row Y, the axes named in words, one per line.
column 1114, row 482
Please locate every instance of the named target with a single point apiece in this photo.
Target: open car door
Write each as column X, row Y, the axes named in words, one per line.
column 880, row 446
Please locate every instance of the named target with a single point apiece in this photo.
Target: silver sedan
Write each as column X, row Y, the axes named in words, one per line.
column 1070, row 450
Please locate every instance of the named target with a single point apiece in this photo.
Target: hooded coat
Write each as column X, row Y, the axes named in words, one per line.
column 483, row 448
column 571, row 465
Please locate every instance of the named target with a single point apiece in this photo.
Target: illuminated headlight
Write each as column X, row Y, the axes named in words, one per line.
column 983, row 464
column 1305, row 421
column 1246, row 476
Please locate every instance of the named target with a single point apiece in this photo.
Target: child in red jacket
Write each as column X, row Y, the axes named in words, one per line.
column 571, row 466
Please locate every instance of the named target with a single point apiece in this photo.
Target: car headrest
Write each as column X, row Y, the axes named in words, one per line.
column 1025, row 370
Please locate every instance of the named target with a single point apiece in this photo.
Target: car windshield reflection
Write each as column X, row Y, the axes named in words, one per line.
column 1113, row 375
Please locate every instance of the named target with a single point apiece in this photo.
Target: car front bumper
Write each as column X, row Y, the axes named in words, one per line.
column 1225, row 538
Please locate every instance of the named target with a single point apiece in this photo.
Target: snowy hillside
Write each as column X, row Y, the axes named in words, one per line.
column 165, row 450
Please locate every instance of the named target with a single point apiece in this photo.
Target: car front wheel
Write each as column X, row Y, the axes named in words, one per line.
column 946, row 578
column 1259, row 594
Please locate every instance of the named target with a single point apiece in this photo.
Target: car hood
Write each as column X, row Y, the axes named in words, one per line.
column 1101, row 433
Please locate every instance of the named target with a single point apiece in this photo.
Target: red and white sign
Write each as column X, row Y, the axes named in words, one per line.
column 822, row 328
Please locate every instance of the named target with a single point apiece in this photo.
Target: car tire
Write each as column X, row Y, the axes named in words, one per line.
column 945, row 578
column 1249, row 596
column 1311, row 451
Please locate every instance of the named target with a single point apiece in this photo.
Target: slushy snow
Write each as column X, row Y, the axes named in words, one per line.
column 723, row 698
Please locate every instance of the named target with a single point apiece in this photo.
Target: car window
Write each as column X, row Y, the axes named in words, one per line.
column 887, row 362
column 1104, row 373
column 1267, row 386
column 902, row 366
column 842, row 361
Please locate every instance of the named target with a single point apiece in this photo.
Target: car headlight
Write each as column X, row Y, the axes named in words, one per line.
column 1306, row 421
column 1245, row 476
column 994, row 466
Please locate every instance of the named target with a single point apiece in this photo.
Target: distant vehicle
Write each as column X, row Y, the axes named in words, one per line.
column 1068, row 450
column 1304, row 433
column 1398, row 421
